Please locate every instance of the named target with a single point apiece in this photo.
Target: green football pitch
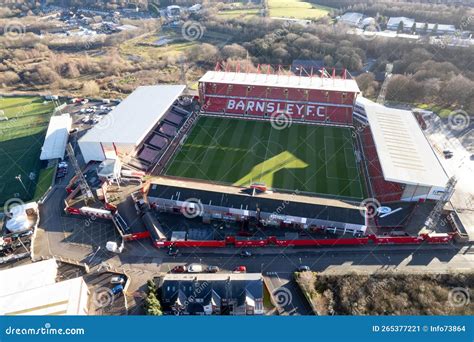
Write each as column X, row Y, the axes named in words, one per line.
column 23, row 124
column 305, row 158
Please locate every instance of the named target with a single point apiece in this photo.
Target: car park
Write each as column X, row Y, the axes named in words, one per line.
column 117, row 289
column 117, row 280
column 448, row 154
column 303, row 268
column 245, row 254
column 179, row 269
column 212, row 269
column 240, row 269
column 195, row 268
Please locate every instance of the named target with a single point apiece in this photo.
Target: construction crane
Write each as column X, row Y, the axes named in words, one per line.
column 83, row 185
column 383, row 89
column 435, row 214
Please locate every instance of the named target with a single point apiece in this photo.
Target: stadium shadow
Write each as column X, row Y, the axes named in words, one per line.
column 264, row 171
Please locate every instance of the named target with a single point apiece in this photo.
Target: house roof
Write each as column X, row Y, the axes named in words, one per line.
column 195, row 291
column 395, row 21
column 351, row 18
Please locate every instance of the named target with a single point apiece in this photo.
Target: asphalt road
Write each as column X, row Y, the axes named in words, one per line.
column 83, row 239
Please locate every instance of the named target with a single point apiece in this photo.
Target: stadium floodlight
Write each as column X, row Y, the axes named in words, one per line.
column 18, row 178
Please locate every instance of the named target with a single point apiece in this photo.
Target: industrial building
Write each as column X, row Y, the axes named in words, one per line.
column 32, row 290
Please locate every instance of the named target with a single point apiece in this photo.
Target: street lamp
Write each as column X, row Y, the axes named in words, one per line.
column 18, row 178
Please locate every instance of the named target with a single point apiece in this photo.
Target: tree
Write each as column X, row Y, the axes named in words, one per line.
column 152, row 304
column 400, row 27
column 233, row 51
column 8, row 78
column 90, row 88
column 425, row 29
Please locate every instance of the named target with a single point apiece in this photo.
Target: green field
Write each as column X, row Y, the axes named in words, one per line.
column 239, row 13
column 309, row 158
column 21, row 138
column 296, row 9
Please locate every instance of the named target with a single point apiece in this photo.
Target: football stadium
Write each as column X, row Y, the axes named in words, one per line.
column 263, row 158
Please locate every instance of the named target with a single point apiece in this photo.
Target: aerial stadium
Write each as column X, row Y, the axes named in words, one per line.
column 263, row 158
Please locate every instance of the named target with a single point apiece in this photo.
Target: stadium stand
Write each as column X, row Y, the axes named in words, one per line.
column 384, row 191
column 159, row 139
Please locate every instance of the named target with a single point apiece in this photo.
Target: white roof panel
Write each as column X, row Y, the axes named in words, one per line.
column 56, row 137
column 135, row 116
column 404, row 153
column 68, row 297
column 26, row 277
column 283, row 81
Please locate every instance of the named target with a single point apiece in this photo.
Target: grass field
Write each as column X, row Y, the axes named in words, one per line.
column 316, row 159
column 239, row 13
column 21, row 138
column 296, row 9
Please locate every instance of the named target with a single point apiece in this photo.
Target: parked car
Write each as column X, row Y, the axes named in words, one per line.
column 240, row 269
column 303, row 268
column 82, row 111
column 179, row 269
column 62, row 165
column 448, row 154
column 245, row 254
column 84, row 101
column 117, row 280
column 213, row 269
column 195, row 268
column 117, row 289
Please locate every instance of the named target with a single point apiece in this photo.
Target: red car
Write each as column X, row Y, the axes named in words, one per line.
column 240, row 269
column 179, row 269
